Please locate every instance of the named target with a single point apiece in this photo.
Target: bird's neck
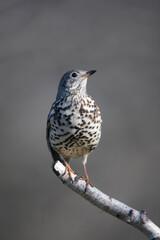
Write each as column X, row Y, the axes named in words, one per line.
column 79, row 94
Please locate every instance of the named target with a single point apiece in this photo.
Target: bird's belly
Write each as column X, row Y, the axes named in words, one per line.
column 77, row 148
column 73, row 152
column 73, row 141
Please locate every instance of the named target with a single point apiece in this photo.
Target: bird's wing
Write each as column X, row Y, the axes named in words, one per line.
column 55, row 155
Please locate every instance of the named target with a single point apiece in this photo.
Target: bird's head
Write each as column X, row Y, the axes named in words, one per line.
column 73, row 82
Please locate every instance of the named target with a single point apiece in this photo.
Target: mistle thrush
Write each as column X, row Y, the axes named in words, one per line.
column 74, row 121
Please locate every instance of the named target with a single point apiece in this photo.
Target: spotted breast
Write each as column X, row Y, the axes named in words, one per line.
column 75, row 126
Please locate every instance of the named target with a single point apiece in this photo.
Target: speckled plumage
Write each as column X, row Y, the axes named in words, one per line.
column 74, row 121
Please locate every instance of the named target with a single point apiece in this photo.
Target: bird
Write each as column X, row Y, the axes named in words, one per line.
column 74, row 121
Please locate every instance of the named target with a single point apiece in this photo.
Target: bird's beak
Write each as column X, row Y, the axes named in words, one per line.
column 89, row 73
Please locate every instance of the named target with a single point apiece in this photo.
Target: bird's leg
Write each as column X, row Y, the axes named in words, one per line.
column 68, row 169
column 86, row 178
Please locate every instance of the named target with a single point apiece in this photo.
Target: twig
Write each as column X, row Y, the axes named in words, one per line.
column 137, row 219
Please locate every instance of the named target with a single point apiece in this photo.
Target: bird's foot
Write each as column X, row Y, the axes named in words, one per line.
column 69, row 170
column 86, row 179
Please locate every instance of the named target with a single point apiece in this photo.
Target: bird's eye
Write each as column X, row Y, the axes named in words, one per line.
column 74, row 75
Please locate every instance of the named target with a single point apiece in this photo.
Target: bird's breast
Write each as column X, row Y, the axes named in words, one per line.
column 75, row 127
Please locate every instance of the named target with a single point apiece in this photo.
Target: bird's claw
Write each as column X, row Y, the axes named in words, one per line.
column 69, row 170
column 87, row 183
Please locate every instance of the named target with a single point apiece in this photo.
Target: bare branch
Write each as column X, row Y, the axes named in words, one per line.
column 137, row 219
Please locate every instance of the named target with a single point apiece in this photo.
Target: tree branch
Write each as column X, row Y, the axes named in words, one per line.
column 137, row 219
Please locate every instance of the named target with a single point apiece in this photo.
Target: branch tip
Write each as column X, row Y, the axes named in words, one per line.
column 54, row 169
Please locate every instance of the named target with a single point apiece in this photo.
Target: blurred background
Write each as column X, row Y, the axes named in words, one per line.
column 40, row 41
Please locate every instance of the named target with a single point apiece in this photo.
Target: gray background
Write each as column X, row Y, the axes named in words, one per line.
column 39, row 42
